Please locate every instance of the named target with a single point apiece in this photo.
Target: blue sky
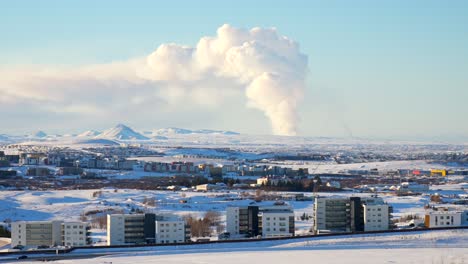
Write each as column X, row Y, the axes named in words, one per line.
column 395, row 69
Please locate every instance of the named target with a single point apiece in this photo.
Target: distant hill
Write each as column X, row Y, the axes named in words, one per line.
column 97, row 141
column 183, row 131
column 39, row 134
column 121, row 132
column 89, row 133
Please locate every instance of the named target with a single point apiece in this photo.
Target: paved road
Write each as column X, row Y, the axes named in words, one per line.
column 50, row 257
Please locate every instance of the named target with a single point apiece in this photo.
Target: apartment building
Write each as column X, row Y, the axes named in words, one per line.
column 75, row 234
column 49, row 233
column 376, row 217
column 446, row 217
column 130, row 229
column 276, row 221
column 266, row 221
column 168, row 231
column 350, row 214
column 144, row 229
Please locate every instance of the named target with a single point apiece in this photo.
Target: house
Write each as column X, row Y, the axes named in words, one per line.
column 7, row 174
column 210, row 187
column 410, row 187
column 38, row 171
column 273, row 181
column 32, row 159
column 49, row 233
column 69, row 171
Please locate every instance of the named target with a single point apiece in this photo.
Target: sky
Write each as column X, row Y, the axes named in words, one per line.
column 379, row 69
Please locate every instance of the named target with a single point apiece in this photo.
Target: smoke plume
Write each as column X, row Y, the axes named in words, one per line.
column 267, row 69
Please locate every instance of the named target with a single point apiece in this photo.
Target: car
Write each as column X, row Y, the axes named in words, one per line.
column 22, row 257
column 19, row 247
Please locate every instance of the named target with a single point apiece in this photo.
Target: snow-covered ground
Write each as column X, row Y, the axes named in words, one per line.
column 417, row 248
column 69, row 204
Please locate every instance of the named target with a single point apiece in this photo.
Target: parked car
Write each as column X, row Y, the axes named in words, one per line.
column 22, row 257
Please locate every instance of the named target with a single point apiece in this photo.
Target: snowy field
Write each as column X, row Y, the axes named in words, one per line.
column 69, row 204
column 60, row 205
column 418, row 248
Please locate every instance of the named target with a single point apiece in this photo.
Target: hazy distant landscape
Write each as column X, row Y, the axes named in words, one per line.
column 234, row 132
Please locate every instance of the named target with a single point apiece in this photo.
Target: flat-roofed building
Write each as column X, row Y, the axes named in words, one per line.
column 144, row 229
column 49, row 233
column 350, row 214
column 443, row 218
column 265, row 221
column 171, row 231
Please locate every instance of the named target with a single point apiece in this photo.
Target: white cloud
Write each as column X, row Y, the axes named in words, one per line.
column 259, row 66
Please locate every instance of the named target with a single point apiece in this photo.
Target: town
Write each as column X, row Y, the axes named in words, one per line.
column 137, row 193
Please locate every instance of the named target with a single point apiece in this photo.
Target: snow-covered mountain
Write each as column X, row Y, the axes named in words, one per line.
column 121, row 132
column 38, row 134
column 4, row 137
column 89, row 133
column 183, row 131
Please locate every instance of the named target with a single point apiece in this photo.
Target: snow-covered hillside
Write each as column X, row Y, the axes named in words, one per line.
column 38, row 134
column 89, row 133
column 121, row 132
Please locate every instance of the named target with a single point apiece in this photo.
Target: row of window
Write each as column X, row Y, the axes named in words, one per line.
column 168, row 230
column 373, row 209
column 74, row 227
column 274, row 229
column 279, row 218
column 167, row 225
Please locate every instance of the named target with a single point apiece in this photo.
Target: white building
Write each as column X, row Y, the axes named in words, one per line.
column 170, row 232
column 144, row 229
column 442, row 218
column 209, row 187
column 276, row 222
column 267, row 221
column 128, row 228
column 376, row 217
column 75, row 233
column 49, row 233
